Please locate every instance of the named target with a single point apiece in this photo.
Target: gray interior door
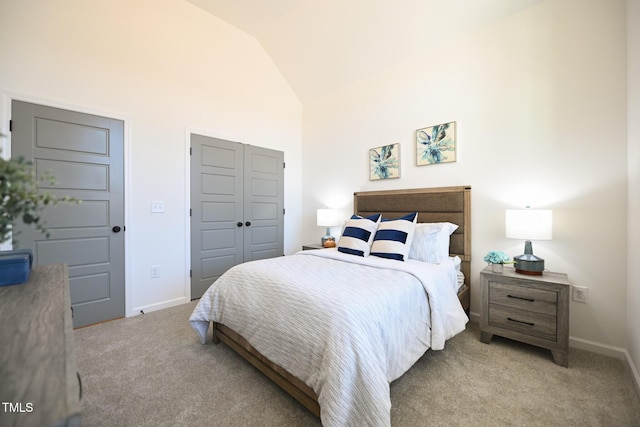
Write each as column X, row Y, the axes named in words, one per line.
column 85, row 155
column 237, row 207
column 217, row 216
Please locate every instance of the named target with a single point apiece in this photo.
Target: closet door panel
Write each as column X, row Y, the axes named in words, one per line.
column 264, row 203
column 217, row 206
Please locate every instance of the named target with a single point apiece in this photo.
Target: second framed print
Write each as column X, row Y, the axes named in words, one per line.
column 436, row 144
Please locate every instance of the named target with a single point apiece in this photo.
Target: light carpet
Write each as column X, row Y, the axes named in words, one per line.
column 151, row 370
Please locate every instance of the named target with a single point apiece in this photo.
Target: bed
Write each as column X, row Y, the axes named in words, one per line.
column 327, row 355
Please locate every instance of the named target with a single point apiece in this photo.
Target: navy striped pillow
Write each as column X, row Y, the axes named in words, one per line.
column 358, row 234
column 393, row 238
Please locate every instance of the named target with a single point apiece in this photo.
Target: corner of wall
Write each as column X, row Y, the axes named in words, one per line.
column 633, row 370
column 633, row 201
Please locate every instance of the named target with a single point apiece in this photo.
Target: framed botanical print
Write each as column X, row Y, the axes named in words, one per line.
column 384, row 162
column 436, row 144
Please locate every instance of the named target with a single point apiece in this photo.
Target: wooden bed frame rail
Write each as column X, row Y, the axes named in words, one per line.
column 289, row 383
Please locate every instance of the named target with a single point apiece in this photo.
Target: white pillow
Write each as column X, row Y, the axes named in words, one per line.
column 358, row 234
column 393, row 237
column 431, row 241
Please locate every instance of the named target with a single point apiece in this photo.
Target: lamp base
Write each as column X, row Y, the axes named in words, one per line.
column 529, row 264
column 327, row 237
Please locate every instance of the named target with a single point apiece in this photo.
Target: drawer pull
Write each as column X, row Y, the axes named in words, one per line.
column 522, row 298
column 520, row 321
column 80, row 384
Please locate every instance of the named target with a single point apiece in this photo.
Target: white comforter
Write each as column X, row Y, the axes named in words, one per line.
column 347, row 326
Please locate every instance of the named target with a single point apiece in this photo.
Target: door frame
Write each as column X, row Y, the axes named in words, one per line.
column 5, row 115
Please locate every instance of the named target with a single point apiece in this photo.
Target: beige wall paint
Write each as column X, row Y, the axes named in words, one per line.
column 540, row 103
column 167, row 68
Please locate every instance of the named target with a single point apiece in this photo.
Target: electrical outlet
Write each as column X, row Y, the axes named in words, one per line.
column 155, row 271
column 580, row 294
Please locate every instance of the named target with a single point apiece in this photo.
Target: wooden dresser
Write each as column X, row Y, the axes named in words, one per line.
column 39, row 383
column 529, row 309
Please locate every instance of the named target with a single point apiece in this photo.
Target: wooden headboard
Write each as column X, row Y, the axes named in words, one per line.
column 442, row 204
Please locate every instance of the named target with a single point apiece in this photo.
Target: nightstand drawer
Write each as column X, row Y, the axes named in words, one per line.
column 526, row 322
column 524, row 298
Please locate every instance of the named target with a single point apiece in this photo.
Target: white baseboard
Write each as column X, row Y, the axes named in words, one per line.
column 633, row 370
column 607, row 350
column 598, row 348
column 595, row 347
column 159, row 306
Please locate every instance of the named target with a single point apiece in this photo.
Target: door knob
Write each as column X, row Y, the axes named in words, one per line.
column 116, row 229
column 239, row 224
column 248, row 223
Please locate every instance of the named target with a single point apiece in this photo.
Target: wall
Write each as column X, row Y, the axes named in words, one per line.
column 540, row 103
column 167, row 68
column 633, row 123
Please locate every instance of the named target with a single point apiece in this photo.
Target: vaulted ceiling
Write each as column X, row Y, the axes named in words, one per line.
column 320, row 46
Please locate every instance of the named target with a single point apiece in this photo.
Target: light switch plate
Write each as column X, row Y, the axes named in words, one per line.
column 155, row 271
column 157, row 206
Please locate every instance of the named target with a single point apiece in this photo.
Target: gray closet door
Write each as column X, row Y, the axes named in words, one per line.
column 263, row 203
column 85, row 155
column 217, row 215
column 237, row 207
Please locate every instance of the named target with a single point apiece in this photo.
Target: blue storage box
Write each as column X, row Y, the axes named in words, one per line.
column 15, row 266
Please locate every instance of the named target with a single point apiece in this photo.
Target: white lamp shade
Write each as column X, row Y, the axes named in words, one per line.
column 529, row 224
column 327, row 218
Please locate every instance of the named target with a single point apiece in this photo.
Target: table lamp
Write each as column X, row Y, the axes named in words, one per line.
column 327, row 218
column 528, row 224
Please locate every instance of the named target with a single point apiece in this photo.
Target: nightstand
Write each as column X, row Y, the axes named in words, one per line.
column 312, row 246
column 529, row 309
